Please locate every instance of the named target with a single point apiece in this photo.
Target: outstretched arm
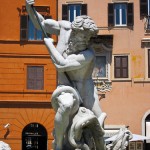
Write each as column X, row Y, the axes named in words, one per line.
column 50, row 26
column 72, row 62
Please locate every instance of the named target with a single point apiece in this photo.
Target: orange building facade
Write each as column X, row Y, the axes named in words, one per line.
column 123, row 57
column 27, row 78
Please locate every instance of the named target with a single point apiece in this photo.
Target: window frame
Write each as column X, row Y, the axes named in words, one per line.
column 65, row 10
column 148, row 15
column 148, row 66
column 120, row 14
column 22, row 28
column 129, row 15
column 105, row 68
column 34, row 32
column 147, row 70
column 74, row 11
column 148, row 9
column 27, row 29
column 121, row 67
column 107, row 55
column 143, row 8
column 43, row 79
column 43, row 10
column 113, row 67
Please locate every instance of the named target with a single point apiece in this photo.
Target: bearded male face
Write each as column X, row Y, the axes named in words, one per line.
column 83, row 28
column 78, row 41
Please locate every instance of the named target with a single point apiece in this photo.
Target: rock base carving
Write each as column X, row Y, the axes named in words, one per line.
column 4, row 146
column 121, row 141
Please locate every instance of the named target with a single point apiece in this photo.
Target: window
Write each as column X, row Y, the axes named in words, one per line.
column 35, row 77
column 74, row 11
column 34, row 137
column 148, row 63
column 139, row 145
column 101, row 72
column 33, row 33
column 147, row 130
column 145, row 12
column 70, row 11
column 100, row 67
column 121, row 67
column 131, row 145
column 120, row 14
column 148, row 7
column 144, row 7
column 27, row 29
column 102, row 44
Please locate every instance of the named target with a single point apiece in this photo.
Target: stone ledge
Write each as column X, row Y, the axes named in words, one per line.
column 121, row 79
column 141, row 80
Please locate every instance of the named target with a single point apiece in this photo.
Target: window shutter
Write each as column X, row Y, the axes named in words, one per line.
column 125, row 66
column 30, row 77
column 64, row 12
column 23, row 27
column 84, row 9
column 39, row 78
column 149, row 63
column 110, row 14
column 143, row 8
column 121, row 66
column 117, row 67
column 130, row 14
column 35, row 77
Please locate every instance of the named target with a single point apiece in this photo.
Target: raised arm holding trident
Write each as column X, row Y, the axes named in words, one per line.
column 74, row 61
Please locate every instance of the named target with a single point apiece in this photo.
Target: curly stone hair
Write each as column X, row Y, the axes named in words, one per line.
column 85, row 23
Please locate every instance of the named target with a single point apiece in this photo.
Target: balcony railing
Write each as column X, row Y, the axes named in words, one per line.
column 147, row 23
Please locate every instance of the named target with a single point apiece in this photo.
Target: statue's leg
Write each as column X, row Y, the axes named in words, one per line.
column 97, row 109
column 98, row 134
column 67, row 106
column 100, row 143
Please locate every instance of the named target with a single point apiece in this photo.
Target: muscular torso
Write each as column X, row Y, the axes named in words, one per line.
column 81, row 77
column 82, row 81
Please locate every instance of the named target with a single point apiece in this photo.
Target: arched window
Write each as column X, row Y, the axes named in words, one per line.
column 34, row 137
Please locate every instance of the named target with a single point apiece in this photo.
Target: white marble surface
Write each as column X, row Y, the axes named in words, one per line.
column 74, row 60
column 4, row 146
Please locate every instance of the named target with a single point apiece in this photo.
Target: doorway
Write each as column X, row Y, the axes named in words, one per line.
column 147, row 132
column 34, row 137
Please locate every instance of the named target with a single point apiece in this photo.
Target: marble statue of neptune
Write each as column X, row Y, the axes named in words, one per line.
column 75, row 100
